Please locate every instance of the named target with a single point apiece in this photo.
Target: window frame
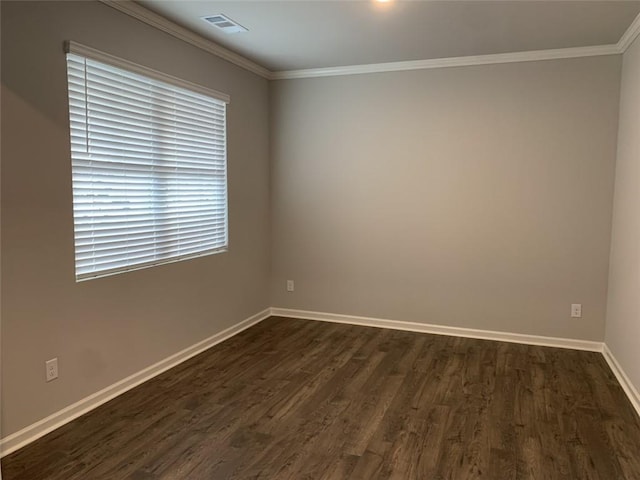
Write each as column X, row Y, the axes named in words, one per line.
column 82, row 273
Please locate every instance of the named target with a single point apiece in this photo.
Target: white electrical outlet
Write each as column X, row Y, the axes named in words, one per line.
column 290, row 286
column 576, row 310
column 51, row 368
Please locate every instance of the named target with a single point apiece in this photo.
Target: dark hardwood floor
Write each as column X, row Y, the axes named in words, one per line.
column 296, row 399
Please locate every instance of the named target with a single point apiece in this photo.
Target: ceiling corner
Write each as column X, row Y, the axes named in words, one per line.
column 145, row 15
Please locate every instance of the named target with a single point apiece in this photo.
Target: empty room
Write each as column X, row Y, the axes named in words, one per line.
column 320, row 240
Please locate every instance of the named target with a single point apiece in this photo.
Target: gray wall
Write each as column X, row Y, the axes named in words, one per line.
column 473, row 197
column 477, row 197
column 104, row 330
column 623, row 312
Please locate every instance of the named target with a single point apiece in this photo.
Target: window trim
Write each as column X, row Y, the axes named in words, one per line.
column 96, row 55
column 92, row 53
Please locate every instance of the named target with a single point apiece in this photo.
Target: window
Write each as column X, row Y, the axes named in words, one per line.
column 148, row 155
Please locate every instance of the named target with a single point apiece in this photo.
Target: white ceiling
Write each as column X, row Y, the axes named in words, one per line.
column 292, row 35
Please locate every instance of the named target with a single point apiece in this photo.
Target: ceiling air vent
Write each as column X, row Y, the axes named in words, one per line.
column 224, row 23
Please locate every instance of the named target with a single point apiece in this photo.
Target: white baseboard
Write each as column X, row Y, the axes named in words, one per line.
column 31, row 433
column 625, row 382
column 28, row 434
column 441, row 330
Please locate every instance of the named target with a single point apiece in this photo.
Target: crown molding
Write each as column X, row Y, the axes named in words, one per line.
column 155, row 20
column 630, row 35
column 161, row 23
column 532, row 56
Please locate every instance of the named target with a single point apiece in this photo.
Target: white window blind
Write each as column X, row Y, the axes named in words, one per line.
column 149, row 167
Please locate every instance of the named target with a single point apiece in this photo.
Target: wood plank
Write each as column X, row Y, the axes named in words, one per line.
column 296, row 399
